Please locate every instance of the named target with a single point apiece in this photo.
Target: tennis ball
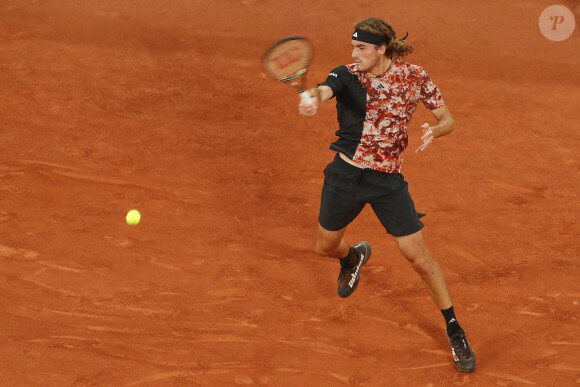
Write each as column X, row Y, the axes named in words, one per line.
column 133, row 217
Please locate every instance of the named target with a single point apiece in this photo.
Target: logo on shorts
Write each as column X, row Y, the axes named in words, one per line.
column 557, row 23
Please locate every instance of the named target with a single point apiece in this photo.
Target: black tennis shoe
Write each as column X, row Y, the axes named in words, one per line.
column 463, row 355
column 349, row 276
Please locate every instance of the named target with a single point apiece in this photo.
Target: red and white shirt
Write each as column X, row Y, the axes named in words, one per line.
column 373, row 111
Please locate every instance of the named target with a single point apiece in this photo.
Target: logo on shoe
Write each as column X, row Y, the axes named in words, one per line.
column 452, row 320
column 355, row 274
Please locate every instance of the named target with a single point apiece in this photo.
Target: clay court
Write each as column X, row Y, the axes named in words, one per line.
column 162, row 106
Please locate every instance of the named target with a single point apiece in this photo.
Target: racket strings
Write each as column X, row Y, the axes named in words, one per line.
column 288, row 60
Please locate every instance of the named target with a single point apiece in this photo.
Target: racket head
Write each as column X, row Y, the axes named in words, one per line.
column 288, row 59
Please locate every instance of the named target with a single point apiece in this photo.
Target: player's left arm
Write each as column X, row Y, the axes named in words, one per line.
column 445, row 125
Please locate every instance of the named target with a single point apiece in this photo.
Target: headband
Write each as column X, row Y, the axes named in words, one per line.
column 369, row 37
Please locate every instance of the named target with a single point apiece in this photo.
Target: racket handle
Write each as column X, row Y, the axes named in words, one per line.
column 306, row 97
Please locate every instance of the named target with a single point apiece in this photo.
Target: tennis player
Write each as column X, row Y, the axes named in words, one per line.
column 376, row 97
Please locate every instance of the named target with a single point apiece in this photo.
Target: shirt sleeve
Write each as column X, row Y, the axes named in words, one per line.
column 336, row 80
column 430, row 94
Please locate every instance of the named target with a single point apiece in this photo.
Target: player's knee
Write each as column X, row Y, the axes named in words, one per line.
column 418, row 257
column 422, row 266
column 413, row 252
column 321, row 250
column 325, row 247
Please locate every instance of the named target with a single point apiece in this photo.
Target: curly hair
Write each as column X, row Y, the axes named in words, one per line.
column 397, row 47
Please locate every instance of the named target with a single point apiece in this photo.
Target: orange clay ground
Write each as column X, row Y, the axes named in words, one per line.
column 162, row 106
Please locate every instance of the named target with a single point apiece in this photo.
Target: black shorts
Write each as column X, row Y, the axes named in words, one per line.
column 347, row 189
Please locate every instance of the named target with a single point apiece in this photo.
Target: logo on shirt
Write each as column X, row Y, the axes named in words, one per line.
column 380, row 86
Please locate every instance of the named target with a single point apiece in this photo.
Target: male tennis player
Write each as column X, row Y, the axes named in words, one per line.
column 375, row 99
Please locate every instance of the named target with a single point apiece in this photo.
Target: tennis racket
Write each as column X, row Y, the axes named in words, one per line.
column 287, row 61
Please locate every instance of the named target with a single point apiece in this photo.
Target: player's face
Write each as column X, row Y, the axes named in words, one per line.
column 365, row 55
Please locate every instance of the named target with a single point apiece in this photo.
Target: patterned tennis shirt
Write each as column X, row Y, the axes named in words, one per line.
column 373, row 111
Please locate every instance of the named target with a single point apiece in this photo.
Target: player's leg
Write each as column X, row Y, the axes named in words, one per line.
column 413, row 248
column 331, row 243
column 396, row 211
column 339, row 206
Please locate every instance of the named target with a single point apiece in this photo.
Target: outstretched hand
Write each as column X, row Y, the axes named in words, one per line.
column 427, row 137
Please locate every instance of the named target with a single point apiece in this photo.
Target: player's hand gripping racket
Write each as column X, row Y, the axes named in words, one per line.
column 287, row 61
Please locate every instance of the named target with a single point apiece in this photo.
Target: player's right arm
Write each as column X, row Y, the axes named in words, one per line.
column 320, row 95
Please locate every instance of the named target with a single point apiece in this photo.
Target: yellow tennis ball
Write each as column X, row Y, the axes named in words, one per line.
column 133, row 217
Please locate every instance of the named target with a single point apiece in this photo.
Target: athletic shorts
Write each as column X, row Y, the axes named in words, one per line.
column 347, row 189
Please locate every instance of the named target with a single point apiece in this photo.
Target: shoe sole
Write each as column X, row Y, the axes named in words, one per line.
column 366, row 254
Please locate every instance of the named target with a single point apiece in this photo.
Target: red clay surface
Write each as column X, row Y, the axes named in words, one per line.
column 161, row 106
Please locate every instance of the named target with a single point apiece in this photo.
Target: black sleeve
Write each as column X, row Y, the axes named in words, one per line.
column 336, row 80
